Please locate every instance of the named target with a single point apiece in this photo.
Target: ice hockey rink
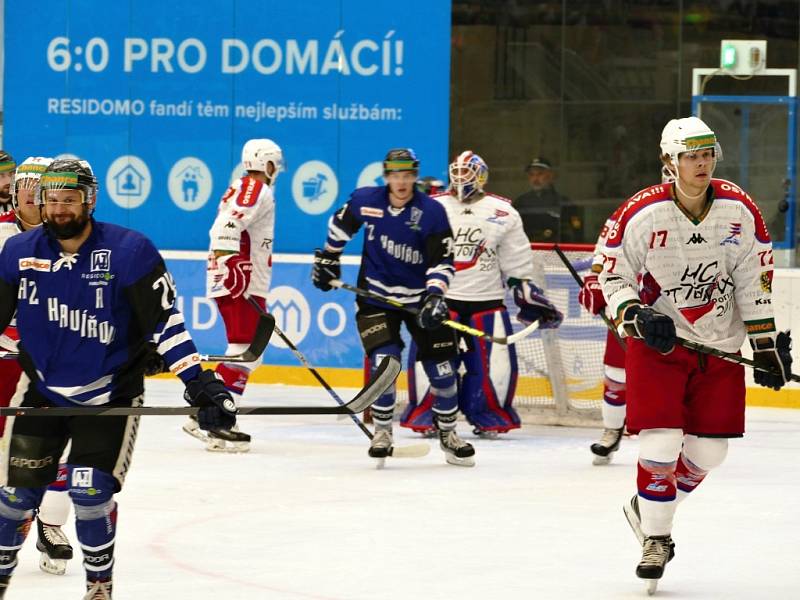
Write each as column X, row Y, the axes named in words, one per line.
column 306, row 516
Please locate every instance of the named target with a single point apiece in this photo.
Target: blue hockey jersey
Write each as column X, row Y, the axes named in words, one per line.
column 87, row 320
column 407, row 251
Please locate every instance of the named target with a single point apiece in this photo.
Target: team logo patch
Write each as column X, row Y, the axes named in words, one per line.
column 101, row 261
column 82, row 478
column 368, row 211
column 734, row 235
column 36, row 264
column 500, row 213
column 416, row 217
column 766, row 281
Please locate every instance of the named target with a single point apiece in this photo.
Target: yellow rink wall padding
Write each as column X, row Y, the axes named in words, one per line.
column 354, row 378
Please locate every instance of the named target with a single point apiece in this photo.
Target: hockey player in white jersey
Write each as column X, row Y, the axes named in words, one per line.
column 704, row 243
column 240, row 267
column 7, row 167
column 490, row 252
column 55, row 507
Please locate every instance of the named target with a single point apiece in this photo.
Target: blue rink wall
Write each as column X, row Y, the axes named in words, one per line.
column 162, row 96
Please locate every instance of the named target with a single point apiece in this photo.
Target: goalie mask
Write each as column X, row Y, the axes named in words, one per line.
column 687, row 135
column 68, row 174
column 468, row 174
column 258, row 154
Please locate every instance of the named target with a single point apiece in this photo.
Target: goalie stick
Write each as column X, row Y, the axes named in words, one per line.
column 264, row 328
column 700, row 348
column 506, row 341
column 412, row 451
column 383, row 377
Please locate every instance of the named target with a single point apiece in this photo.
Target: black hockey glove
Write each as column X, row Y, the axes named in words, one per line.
column 433, row 312
column 154, row 364
column 327, row 267
column 775, row 355
column 207, row 392
column 656, row 329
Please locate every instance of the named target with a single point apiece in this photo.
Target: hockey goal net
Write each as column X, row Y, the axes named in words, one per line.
column 561, row 370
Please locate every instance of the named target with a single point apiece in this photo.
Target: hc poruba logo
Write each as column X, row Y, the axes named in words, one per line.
column 314, row 187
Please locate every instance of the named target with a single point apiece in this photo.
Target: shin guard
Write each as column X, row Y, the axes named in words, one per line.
column 92, row 492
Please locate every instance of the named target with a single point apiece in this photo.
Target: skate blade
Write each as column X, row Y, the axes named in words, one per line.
column 413, row 451
column 485, row 435
column 467, row 461
column 633, row 522
column 652, row 586
column 380, row 463
column 601, row 460
column 221, row 446
column 53, row 566
column 195, row 433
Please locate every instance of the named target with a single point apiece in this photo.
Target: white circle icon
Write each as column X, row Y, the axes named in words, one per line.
column 371, row 175
column 237, row 173
column 128, row 181
column 314, row 187
column 189, row 183
column 292, row 314
column 66, row 155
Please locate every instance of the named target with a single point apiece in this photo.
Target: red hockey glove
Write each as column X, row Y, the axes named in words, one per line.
column 237, row 270
column 591, row 295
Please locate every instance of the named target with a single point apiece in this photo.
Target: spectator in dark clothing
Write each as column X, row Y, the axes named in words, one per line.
column 547, row 216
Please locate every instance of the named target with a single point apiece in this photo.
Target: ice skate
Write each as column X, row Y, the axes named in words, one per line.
column 657, row 551
column 55, row 548
column 604, row 449
column 227, row 440
column 4, row 581
column 192, row 427
column 631, row 510
column 456, row 451
column 484, row 434
column 98, row 590
column 381, row 446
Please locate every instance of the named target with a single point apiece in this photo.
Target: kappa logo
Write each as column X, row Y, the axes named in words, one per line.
column 697, row 239
column 36, row 264
column 101, row 261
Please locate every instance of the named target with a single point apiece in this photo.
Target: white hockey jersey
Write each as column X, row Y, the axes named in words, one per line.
column 489, row 246
column 711, row 275
column 245, row 224
column 8, row 227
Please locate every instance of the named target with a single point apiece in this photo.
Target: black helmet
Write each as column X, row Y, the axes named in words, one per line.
column 7, row 162
column 69, row 173
column 400, row 159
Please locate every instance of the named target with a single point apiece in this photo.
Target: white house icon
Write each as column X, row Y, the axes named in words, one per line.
column 128, row 181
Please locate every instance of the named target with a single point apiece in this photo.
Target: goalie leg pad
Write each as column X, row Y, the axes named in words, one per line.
column 490, row 381
column 418, row 415
column 658, row 459
column 383, row 409
column 698, row 457
column 92, row 492
column 17, row 506
column 442, row 379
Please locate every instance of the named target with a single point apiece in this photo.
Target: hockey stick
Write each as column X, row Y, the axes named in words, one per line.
column 413, row 451
column 381, row 379
column 337, row 283
column 700, row 348
column 611, row 327
column 264, row 328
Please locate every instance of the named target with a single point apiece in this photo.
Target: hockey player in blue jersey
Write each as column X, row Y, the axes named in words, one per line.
column 93, row 300
column 407, row 257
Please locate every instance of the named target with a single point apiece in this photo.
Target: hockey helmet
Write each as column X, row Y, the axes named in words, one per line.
column 68, row 174
column 27, row 176
column 400, row 159
column 689, row 134
column 7, row 162
column 258, row 153
column 430, row 184
column 468, row 174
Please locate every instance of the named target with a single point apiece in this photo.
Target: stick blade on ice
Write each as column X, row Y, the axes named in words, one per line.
column 381, row 379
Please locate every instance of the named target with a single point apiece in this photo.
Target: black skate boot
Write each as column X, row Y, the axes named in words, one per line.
column 456, row 451
column 4, row 581
column 381, row 445
column 657, row 551
column 604, row 449
column 227, row 440
column 55, row 548
column 98, row 590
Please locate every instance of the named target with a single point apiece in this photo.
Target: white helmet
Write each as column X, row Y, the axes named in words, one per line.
column 28, row 174
column 468, row 174
column 688, row 135
column 257, row 154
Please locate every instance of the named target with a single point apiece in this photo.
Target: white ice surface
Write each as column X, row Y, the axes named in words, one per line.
column 305, row 515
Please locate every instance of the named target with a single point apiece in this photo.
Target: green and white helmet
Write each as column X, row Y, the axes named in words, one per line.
column 27, row 175
column 68, row 174
column 689, row 134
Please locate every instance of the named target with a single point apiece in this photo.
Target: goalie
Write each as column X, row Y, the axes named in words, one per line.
column 491, row 251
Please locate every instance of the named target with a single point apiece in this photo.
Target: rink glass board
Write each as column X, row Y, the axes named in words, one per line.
column 161, row 101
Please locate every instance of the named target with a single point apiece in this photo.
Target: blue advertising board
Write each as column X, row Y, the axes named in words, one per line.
column 161, row 98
